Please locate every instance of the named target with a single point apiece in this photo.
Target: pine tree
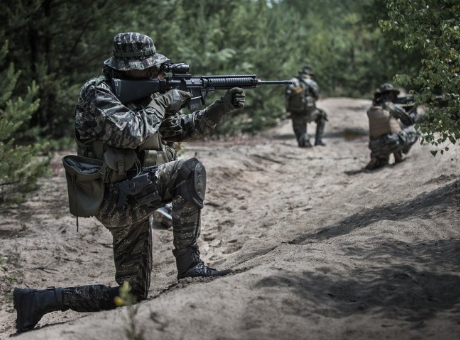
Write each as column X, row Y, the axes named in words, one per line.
column 20, row 166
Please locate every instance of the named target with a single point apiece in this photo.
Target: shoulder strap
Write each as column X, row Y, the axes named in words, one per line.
column 304, row 82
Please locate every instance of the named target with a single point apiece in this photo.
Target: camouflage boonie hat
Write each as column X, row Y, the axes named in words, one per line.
column 134, row 51
column 385, row 88
column 307, row 69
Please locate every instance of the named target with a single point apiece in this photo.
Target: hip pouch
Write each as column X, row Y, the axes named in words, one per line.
column 296, row 102
column 141, row 188
column 85, row 184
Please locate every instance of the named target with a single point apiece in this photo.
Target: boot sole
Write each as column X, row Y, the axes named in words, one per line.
column 218, row 273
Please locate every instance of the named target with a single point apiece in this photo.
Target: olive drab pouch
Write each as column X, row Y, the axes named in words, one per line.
column 85, row 184
column 119, row 161
column 296, row 102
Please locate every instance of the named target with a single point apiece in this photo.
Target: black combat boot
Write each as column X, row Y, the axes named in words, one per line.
column 376, row 163
column 398, row 156
column 319, row 133
column 304, row 142
column 307, row 144
column 189, row 264
column 32, row 304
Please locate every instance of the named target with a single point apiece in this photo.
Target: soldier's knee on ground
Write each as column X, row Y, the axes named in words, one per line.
column 191, row 182
column 398, row 156
column 304, row 141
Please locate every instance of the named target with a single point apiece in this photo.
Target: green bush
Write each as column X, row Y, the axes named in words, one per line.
column 431, row 26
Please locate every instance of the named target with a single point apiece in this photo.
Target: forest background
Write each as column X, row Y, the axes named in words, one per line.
column 51, row 47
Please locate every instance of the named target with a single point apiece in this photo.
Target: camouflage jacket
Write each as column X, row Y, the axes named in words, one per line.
column 101, row 119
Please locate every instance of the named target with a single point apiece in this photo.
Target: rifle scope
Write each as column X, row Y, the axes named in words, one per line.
column 181, row 68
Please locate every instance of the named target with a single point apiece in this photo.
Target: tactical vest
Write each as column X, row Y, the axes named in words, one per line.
column 118, row 162
column 156, row 152
column 381, row 122
column 301, row 100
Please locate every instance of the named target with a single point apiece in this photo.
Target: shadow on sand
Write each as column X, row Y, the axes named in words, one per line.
column 424, row 206
column 397, row 292
column 409, row 282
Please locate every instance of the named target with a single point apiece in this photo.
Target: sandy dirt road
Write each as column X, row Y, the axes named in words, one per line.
column 319, row 248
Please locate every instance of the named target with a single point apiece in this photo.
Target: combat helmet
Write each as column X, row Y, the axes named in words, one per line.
column 307, row 69
column 385, row 88
column 134, row 51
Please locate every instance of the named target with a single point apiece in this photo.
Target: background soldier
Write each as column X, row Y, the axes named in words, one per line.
column 122, row 136
column 391, row 128
column 301, row 97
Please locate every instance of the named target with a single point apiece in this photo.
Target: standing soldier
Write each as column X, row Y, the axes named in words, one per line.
column 301, row 97
column 391, row 128
column 120, row 137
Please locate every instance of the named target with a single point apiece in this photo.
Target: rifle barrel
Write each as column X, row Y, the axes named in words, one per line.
column 274, row 82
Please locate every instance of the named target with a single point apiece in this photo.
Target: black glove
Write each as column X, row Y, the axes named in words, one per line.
column 233, row 100
column 235, row 97
column 170, row 102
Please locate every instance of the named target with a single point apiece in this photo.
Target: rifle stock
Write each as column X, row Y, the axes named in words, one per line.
column 131, row 90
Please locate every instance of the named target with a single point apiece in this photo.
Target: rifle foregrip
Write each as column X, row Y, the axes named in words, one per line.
column 228, row 83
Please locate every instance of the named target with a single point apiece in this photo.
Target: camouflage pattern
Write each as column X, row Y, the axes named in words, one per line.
column 301, row 97
column 134, row 51
column 385, row 88
column 91, row 298
column 300, row 121
column 307, row 69
column 132, row 238
column 396, row 143
column 99, row 116
column 161, row 191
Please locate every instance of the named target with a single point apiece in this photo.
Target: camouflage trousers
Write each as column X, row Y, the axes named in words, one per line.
column 302, row 118
column 132, row 237
column 401, row 142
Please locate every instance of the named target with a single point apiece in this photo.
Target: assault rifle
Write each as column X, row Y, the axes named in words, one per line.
column 130, row 90
column 408, row 102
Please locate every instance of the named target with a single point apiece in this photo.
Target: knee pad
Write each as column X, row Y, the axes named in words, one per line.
column 192, row 182
column 321, row 116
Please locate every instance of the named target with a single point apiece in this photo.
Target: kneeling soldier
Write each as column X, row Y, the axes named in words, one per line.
column 121, row 136
column 391, row 128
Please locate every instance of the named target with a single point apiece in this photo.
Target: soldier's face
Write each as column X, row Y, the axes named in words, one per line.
column 155, row 73
column 149, row 73
column 160, row 75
